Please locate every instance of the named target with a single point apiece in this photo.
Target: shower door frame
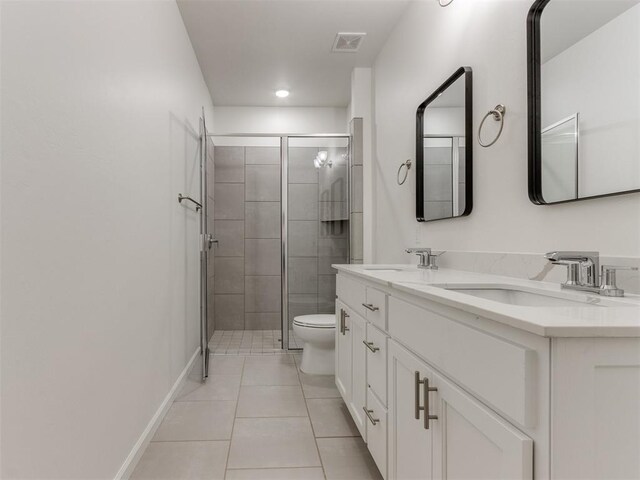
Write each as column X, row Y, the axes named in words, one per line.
column 284, row 210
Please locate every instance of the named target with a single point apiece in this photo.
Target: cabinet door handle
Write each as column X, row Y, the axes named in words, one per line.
column 417, row 406
column 374, row 421
column 428, row 389
column 342, row 321
column 344, row 324
column 370, row 346
column 369, row 306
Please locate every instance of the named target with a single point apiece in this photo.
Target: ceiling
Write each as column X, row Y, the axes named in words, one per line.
column 566, row 22
column 247, row 49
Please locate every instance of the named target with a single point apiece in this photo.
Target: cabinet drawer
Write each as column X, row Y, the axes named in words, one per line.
column 377, row 432
column 376, row 305
column 499, row 371
column 352, row 293
column 377, row 362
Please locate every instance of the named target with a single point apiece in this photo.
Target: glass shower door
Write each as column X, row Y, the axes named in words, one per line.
column 315, row 189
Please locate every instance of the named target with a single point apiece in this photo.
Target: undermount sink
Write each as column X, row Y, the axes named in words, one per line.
column 529, row 297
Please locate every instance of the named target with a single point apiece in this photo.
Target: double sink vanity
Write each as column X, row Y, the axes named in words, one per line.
column 452, row 374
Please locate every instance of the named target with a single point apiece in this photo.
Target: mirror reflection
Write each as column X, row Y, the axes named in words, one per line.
column 589, row 98
column 443, row 153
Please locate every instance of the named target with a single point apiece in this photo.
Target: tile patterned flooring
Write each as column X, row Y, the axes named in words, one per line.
column 258, row 417
column 250, row 342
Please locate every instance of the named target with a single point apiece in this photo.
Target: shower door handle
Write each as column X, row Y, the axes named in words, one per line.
column 208, row 241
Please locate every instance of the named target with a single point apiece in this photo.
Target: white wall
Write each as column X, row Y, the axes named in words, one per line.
column 608, row 62
column 99, row 280
column 279, row 120
column 426, row 47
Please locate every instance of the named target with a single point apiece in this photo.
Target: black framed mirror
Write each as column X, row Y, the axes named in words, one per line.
column 444, row 173
column 584, row 99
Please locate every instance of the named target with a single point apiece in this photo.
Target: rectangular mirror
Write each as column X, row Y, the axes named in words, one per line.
column 584, row 99
column 443, row 150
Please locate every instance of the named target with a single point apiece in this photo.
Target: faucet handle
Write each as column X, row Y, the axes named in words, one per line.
column 608, row 286
column 419, row 250
column 574, row 271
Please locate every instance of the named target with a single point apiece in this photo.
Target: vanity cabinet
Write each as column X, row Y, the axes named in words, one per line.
column 351, row 358
column 511, row 397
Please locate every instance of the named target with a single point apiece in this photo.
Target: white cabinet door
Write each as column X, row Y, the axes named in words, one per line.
column 473, row 442
column 410, row 444
column 357, row 326
column 596, row 408
column 343, row 353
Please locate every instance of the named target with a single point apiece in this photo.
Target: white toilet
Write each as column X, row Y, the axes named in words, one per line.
column 318, row 334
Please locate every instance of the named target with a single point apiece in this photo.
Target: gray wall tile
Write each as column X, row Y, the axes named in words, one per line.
column 262, row 321
column 324, row 264
column 262, row 256
column 333, row 184
column 230, row 278
column 229, row 312
column 333, row 247
column 229, row 164
column 332, row 211
column 357, row 140
column 302, row 304
column 303, row 238
column 262, row 183
column 326, row 293
column 334, row 229
column 262, row 219
column 262, row 294
column 356, row 189
column 356, row 236
column 303, row 201
column 229, row 201
column 262, row 155
column 230, row 235
column 303, row 275
column 436, row 210
column 301, row 168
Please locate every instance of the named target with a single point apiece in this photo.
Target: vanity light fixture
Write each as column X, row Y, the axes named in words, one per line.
column 322, row 160
column 445, row 3
column 282, row 93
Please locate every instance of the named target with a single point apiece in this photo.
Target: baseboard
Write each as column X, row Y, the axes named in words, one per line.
column 138, row 449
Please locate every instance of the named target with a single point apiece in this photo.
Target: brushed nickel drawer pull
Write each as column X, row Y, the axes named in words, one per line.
column 369, row 306
column 428, row 389
column 374, row 421
column 417, row 406
column 345, row 329
column 370, row 346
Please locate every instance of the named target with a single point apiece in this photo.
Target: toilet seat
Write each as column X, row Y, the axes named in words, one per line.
column 316, row 321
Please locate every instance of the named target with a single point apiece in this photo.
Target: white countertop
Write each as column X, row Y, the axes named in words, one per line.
column 620, row 317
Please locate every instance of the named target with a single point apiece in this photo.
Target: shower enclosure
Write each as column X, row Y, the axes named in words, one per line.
column 281, row 215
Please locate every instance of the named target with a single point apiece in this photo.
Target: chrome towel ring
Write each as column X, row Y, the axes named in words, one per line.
column 498, row 115
column 406, row 164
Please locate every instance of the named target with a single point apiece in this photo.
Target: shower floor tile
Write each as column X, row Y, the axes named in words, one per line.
column 250, row 342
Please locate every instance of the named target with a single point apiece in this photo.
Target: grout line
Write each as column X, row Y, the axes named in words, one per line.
column 315, row 440
column 235, row 412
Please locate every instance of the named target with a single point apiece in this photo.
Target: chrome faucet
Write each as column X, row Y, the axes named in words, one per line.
column 428, row 260
column 584, row 272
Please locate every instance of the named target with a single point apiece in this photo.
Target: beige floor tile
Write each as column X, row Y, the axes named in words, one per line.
column 273, row 442
column 197, row 421
column 283, row 359
column 347, row 459
column 270, row 373
column 217, row 387
column 271, row 401
column 331, row 418
column 182, row 460
column 319, row 386
column 276, row 474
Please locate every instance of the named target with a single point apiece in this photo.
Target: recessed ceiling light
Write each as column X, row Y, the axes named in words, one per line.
column 282, row 93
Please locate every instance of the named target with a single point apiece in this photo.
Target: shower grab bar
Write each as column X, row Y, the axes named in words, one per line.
column 184, row 197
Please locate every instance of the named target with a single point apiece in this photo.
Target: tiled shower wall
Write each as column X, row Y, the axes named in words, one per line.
column 356, row 206
column 246, row 288
column 318, row 229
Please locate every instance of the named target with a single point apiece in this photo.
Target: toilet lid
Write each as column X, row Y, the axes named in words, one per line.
column 317, row 321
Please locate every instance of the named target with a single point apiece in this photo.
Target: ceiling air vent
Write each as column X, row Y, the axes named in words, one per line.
column 348, row 42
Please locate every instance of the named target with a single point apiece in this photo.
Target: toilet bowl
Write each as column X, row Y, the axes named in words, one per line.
column 317, row 333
